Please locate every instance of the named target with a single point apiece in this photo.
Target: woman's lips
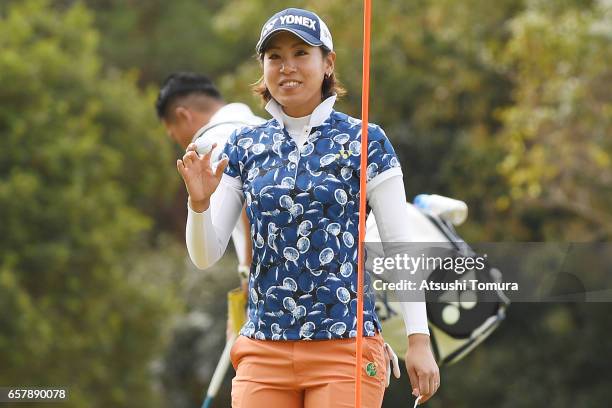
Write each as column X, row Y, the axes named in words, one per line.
column 290, row 84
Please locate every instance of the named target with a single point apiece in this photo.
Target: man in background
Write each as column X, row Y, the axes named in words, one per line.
column 190, row 107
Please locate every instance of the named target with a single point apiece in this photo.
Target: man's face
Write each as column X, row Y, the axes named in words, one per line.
column 183, row 125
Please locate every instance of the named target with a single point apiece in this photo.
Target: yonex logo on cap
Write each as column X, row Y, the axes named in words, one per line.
column 299, row 20
column 303, row 23
column 268, row 27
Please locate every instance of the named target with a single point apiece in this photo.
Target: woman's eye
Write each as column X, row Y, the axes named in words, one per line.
column 272, row 56
column 301, row 52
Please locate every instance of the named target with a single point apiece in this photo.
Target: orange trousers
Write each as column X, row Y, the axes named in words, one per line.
column 306, row 374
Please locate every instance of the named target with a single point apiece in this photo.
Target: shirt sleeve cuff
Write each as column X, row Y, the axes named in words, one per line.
column 385, row 175
column 415, row 317
column 194, row 212
column 417, row 329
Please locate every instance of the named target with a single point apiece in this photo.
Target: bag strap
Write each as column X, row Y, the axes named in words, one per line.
column 204, row 130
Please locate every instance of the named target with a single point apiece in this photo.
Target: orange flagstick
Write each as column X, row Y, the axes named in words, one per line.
column 365, row 86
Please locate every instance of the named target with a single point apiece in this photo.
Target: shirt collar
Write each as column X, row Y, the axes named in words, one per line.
column 230, row 112
column 318, row 116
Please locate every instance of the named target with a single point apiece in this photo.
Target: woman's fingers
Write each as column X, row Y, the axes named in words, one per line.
column 206, row 157
column 414, row 382
column 424, row 386
column 221, row 167
column 189, row 158
column 430, row 388
column 180, row 167
column 430, row 384
column 436, row 382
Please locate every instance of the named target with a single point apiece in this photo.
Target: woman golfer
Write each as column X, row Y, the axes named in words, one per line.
column 298, row 174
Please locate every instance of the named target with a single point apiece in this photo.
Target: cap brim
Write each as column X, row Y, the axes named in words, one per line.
column 308, row 39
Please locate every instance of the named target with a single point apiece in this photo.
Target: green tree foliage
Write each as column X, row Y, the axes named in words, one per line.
column 557, row 133
column 160, row 36
column 79, row 165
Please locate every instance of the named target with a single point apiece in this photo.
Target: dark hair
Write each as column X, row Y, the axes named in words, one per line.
column 331, row 85
column 181, row 84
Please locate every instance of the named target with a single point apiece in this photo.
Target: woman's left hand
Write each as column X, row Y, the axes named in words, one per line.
column 421, row 366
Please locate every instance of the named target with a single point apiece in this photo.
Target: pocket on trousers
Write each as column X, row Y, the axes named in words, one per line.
column 373, row 352
column 234, row 352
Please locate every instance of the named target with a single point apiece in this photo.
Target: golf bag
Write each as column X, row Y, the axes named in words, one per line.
column 456, row 326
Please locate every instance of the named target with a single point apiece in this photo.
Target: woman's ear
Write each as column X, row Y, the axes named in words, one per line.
column 330, row 61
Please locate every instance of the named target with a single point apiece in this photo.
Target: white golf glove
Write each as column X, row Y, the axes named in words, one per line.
column 392, row 362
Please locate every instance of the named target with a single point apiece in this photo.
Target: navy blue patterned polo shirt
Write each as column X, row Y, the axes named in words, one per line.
column 303, row 206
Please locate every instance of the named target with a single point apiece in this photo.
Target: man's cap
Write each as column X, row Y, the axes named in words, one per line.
column 303, row 23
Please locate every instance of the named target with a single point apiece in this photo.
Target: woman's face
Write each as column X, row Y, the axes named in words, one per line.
column 294, row 71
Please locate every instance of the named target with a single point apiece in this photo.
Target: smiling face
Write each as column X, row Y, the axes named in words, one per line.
column 294, row 72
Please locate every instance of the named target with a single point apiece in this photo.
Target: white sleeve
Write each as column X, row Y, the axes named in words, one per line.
column 208, row 232
column 239, row 237
column 388, row 202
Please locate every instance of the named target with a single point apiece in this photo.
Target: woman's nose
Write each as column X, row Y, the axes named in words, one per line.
column 286, row 67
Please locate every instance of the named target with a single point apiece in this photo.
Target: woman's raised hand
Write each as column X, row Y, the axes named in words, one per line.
column 200, row 178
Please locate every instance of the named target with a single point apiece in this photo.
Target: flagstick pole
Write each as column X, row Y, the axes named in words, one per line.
column 365, row 86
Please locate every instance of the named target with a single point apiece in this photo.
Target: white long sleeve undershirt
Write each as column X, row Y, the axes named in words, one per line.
column 387, row 201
